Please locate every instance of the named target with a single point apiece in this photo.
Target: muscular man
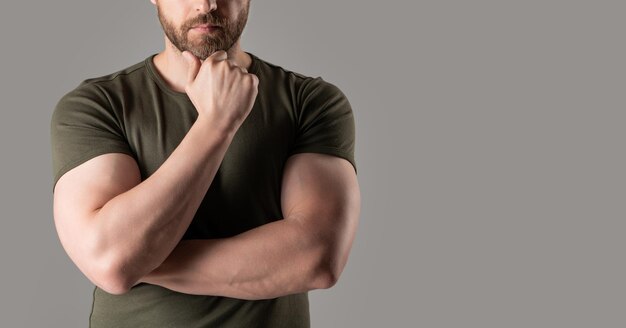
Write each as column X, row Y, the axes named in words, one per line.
column 204, row 186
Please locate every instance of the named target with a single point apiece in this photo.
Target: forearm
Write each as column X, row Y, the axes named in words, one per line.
column 272, row 260
column 139, row 228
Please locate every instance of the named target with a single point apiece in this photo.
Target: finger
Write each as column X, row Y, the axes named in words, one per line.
column 193, row 66
column 218, row 56
column 255, row 79
column 233, row 64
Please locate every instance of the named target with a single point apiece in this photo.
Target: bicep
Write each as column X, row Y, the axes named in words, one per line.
column 321, row 192
column 80, row 192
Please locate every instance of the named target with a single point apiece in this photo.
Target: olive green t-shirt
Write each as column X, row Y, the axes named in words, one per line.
column 134, row 111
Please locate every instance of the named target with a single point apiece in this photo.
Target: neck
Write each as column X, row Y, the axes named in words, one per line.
column 172, row 67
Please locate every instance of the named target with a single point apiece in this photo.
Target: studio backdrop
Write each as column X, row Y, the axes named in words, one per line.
column 489, row 140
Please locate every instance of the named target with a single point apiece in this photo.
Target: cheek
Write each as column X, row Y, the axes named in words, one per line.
column 226, row 9
column 175, row 13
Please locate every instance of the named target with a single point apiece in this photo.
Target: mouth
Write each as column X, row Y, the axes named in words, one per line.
column 206, row 27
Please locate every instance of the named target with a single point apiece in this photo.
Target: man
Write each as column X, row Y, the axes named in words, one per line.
column 204, row 186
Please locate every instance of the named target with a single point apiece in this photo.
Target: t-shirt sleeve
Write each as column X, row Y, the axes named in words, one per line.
column 83, row 126
column 325, row 121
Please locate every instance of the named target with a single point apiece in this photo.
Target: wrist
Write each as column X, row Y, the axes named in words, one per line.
column 217, row 129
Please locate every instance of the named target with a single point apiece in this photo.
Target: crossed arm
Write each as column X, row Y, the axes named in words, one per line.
column 306, row 250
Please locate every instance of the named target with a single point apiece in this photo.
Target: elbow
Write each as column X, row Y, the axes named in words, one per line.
column 111, row 278
column 113, row 270
column 113, row 287
column 328, row 265
column 326, row 279
column 326, row 274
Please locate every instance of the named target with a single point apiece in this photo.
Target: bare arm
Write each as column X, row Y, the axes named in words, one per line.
column 307, row 250
column 117, row 232
column 117, row 228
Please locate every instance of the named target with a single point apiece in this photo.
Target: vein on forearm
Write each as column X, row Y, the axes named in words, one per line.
column 272, row 260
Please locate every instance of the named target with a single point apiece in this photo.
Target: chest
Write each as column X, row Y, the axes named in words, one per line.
column 156, row 126
column 245, row 191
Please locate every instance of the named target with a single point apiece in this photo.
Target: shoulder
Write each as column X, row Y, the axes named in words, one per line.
column 100, row 91
column 303, row 87
column 137, row 70
column 102, row 85
column 94, row 97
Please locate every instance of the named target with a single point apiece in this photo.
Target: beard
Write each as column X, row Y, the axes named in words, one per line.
column 207, row 43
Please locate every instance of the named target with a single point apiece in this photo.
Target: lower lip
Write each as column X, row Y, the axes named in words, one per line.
column 206, row 29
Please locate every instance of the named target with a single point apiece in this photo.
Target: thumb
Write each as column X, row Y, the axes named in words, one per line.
column 193, row 66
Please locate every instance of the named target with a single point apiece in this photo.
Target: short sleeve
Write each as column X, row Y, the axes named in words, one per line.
column 325, row 121
column 83, row 126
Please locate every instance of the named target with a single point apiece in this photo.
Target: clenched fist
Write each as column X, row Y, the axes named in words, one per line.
column 222, row 92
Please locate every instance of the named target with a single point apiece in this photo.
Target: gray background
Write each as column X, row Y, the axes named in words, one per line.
column 490, row 146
